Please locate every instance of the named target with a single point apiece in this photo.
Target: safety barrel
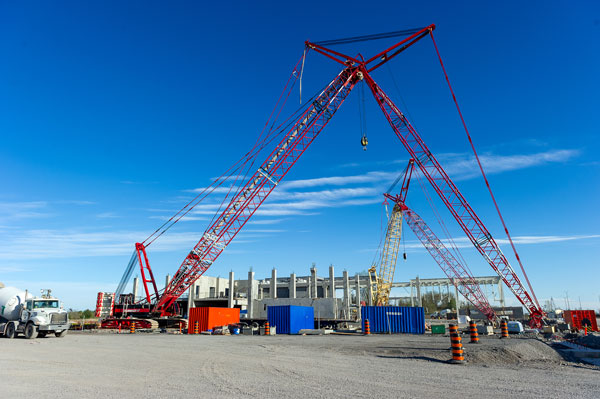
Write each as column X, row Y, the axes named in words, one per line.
column 473, row 332
column 457, row 348
column 503, row 329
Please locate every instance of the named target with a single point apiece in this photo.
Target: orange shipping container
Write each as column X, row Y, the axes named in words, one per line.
column 209, row 318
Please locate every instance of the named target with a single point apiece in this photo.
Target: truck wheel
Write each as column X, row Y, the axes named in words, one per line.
column 61, row 334
column 10, row 331
column 41, row 334
column 31, row 331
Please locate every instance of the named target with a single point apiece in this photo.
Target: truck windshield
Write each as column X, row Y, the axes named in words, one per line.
column 45, row 304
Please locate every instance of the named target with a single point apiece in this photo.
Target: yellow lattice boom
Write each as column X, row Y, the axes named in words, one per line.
column 381, row 282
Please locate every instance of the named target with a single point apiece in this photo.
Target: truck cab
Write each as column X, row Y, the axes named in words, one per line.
column 45, row 315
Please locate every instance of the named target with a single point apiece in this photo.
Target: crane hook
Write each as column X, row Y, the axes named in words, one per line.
column 364, row 142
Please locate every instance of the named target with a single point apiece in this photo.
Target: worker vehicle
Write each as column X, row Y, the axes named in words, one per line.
column 249, row 181
column 22, row 313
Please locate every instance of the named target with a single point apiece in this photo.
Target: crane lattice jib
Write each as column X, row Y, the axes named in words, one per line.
column 453, row 199
column 259, row 186
column 460, row 276
column 389, row 256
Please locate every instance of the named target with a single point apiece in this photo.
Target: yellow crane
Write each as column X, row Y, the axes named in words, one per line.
column 381, row 282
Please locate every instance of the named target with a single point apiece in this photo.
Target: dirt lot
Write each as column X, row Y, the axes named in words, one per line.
column 88, row 365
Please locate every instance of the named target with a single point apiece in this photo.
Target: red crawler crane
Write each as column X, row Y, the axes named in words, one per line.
column 304, row 130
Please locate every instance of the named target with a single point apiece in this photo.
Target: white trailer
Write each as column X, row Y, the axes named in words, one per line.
column 21, row 313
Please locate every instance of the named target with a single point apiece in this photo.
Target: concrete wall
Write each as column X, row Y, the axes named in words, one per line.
column 202, row 287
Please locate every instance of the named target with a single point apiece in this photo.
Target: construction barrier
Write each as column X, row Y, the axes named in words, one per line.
column 473, row 332
column 367, row 327
column 196, row 327
column 503, row 329
column 132, row 328
column 457, row 348
column 267, row 328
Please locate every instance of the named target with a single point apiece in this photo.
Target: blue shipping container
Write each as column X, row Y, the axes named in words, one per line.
column 291, row 319
column 394, row 319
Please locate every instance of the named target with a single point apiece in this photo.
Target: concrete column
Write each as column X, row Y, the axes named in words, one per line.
column 501, row 293
column 418, row 283
column 346, row 293
column 190, row 299
column 251, row 294
column 331, row 282
column 273, row 288
column 412, row 295
column 357, row 289
column 313, row 282
column 217, row 286
column 230, row 296
column 167, row 280
column 136, row 285
column 292, row 287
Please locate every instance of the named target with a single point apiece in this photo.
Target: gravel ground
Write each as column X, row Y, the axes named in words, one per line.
column 88, row 365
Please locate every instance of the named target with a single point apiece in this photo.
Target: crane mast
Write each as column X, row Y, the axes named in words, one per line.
column 381, row 282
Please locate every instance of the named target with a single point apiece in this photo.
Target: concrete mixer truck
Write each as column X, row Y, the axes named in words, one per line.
column 22, row 313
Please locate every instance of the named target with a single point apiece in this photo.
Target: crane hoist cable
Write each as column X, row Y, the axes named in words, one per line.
column 364, row 141
column 400, row 94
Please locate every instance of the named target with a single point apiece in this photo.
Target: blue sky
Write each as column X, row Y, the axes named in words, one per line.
column 113, row 114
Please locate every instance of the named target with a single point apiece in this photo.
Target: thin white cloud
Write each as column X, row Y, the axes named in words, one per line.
column 464, row 242
column 265, row 221
column 107, row 215
column 334, row 194
column 186, row 218
column 217, row 190
column 12, row 269
column 291, row 199
column 369, row 177
column 55, row 244
column 40, row 244
column 464, row 166
column 11, row 211
column 76, row 202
